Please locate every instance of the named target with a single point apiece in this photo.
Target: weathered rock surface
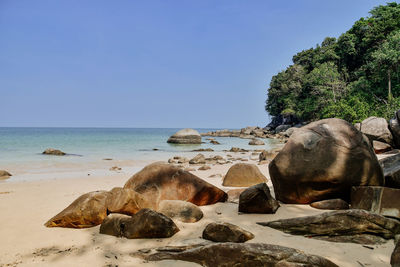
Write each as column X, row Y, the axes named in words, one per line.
column 322, row 160
column 257, row 199
column 242, row 174
column 236, row 254
column 391, row 170
column 266, row 155
column 380, row 147
column 256, row 142
column 126, row 201
column 161, row 181
column 282, row 128
column 4, row 175
column 377, row 199
column 234, row 194
column 226, row 232
column 144, row 224
column 357, row 226
column 331, row 204
column 237, row 149
column 86, row 211
column 52, row 151
column 198, row 159
column 377, row 129
column 185, row 136
column 181, row 210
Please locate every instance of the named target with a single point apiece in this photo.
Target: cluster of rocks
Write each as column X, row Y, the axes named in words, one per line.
column 250, row 132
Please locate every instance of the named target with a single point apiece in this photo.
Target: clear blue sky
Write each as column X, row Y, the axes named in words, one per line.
column 188, row 63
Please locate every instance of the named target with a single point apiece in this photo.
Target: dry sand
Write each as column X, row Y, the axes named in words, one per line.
column 26, row 206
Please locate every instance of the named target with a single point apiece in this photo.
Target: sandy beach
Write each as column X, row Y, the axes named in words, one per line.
column 26, row 206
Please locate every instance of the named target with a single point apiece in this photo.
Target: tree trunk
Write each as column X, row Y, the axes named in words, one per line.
column 389, row 86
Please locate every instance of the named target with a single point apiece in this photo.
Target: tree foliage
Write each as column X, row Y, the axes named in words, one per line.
column 352, row 77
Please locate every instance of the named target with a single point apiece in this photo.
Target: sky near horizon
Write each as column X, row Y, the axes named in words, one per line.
column 168, row 64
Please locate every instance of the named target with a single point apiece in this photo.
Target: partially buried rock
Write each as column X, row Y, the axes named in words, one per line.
column 257, row 199
column 256, row 142
column 204, row 168
column 236, row 254
column 161, row 181
column 242, row 174
column 198, row 159
column 180, row 210
column 266, row 155
column 52, row 151
column 356, row 226
column 144, row 224
column 185, row 136
column 4, row 175
column 331, row 204
column 226, row 232
column 214, row 142
column 115, row 168
column 322, row 160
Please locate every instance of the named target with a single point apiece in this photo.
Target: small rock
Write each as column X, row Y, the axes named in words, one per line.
column 256, row 142
column 331, row 204
column 204, row 168
column 257, row 199
column 203, row 150
column 52, row 151
column 226, row 232
column 115, row 168
column 199, row 159
column 4, row 175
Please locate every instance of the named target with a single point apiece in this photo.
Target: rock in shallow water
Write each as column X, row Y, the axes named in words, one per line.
column 236, row 254
column 256, row 142
column 226, row 232
column 257, row 199
column 185, row 136
column 356, row 226
column 52, row 151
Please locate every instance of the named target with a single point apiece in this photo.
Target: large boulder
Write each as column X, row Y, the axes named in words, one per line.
column 391, row 170
column 198, row 159
column 257, row 199
column 376, row 129
column 226, row 232
column 144, row 224
column 322, row 160
column 356, row 226
column 160, row 181
column 126, row 201
column 4, row 175
column 181, row 210
column 52, row 151
column 236, row 254
column 243, row 175
column 185, row 136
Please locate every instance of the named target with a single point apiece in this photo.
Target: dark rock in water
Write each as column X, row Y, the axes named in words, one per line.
column 243, row 174
column 181, row 210
column 4, row 175
column 322, row 160
column 236, row 254
column 215, row 142
column 198, row 159
column 356, row 226
column 331, row 204
column 203, row 150
column 377, row 199
column 380, row 147
column 160, row 181
column 144, row 224
column 185, row 136
column 257, row 199
column 52, row 151
column 237, row 149
column 226, row 232
column 204, row 168
column 376, row 129
column 395, row 258
column 391, row 170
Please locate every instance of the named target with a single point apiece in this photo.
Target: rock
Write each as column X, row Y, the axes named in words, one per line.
column 233, row 195
column 290, row 131
column 161, row 181
column 395, row 258
column 377, row 199
column 322, row 160
column 226, row 232
column 331, row 204
column 180, row 210
column 266, row 155
column 282, row 128
column 380, row 147
column 126, row 201
column 4, row 175
column 236, row 149
column 203, row 150
column 214, row 142
column 242, row 174
column 185, row 136
column 115, row 168
column 144, row 224
column 257, row 199
column 86, row 211
column 357, row 226
column 391, row 170
column 376, row 129
column 256, row 142
column 236, row 254
column 107, row 159
column 395, row 129
column 52, row 151
column 199, row 159
column 204, row 168
column 189, row 169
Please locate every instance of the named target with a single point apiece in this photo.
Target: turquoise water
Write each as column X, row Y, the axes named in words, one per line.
column 19, row 145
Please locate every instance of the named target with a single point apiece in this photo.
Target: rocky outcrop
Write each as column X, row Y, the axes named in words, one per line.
column 144, row 224
column 391, row 170
column 185, row 136
column 243, row 175
column 160, row 181
column 357, row 226
column 52, row 151
column 198, row 159
column 236, row 254
column 180, row 210
column 226, row 232
column 4, row 175
column 256, row 142
column 331, row 204
column 257, row 199
column 322, row 160
column 376, row 129
column 377, row 199
column 247, row 133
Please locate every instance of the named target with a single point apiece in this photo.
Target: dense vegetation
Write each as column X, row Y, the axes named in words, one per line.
column 352, row 77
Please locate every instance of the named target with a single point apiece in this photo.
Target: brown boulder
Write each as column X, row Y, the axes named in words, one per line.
column 331, row 204
column 52, row 151
column 322, row 160
column 4, row 175
column 226, row 232
column 198, row 159
column 266, row 155
column 161, row 181
column 126, row 201
column 185, row 136
column 257, row 199
column 181, row 210
column 256, row 142
column 242, row 174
